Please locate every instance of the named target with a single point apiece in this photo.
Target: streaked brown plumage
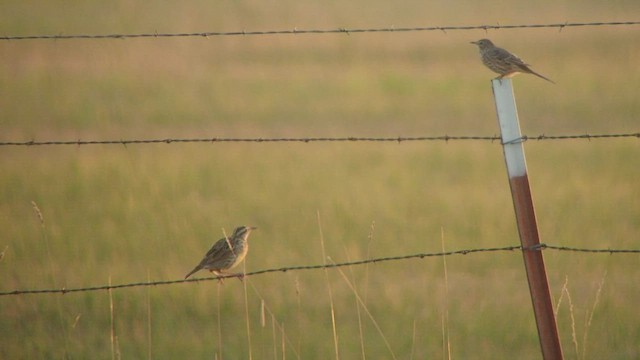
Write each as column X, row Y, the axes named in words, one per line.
column 503, row 62
column 226, row 253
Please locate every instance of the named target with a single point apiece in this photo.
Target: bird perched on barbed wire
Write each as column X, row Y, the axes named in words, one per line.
column 226, row 253
column 503, row 62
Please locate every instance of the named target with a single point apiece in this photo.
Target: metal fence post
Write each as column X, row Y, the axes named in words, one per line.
column 526, row 219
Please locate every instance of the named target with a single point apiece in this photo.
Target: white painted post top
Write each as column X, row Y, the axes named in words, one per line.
column 509, row 127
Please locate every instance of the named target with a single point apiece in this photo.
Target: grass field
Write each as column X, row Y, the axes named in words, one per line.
column 149, row 212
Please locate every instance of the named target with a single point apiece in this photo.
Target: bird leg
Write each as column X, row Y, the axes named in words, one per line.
column 218, row 274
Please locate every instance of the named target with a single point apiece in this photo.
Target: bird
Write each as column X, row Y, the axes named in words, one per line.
column 503, row 62
column 226, row 253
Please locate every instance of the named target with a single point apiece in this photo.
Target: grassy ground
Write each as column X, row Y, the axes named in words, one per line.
column 149, row 212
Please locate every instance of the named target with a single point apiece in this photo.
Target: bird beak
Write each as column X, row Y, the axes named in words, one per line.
column 474, row 43
column 252, row 227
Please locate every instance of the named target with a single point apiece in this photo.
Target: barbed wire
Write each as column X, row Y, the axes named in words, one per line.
column 324, row 266
column 398, row 139
column 600, row 251
column 296, row 31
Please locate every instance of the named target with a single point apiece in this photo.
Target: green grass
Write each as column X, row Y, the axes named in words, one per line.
column 150, row 211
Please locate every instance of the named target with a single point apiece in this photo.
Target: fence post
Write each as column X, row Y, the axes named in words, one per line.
column 526, row 219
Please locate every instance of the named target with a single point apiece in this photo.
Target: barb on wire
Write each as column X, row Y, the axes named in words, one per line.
column 398, row 139
column 297, row 31
column 539, row 247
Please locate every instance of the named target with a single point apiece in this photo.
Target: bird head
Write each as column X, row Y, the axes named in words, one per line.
column 242, row 230
column 483, row 43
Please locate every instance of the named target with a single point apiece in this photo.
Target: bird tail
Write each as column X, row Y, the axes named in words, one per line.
column 197, row 268
column 540, row 76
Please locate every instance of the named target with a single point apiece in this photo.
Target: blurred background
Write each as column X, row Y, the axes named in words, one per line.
column 138, row 213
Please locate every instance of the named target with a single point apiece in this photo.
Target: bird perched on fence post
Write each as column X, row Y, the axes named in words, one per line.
column 226, row 253
column 503, row 62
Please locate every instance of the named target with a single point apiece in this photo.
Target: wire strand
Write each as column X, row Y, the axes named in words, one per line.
column 539, row 247
column 296, row 31
column 398, row 139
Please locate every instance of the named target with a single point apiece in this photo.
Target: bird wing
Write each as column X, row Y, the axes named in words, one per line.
column 511, row 58
column 219, row 250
